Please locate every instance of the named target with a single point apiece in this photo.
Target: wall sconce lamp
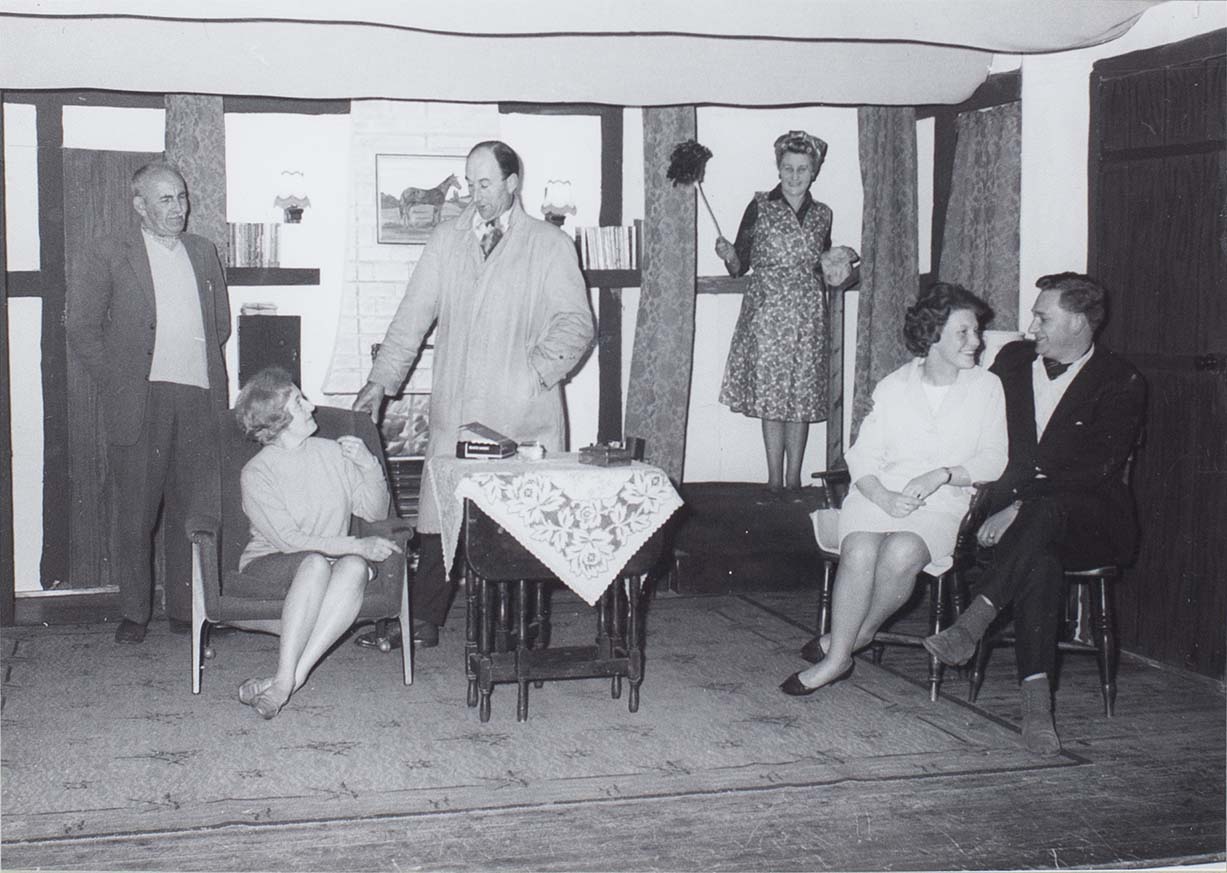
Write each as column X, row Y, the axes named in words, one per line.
column 559, row 201
column 292, row 195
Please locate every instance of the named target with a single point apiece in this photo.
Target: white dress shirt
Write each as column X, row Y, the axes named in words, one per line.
column 1048, row 392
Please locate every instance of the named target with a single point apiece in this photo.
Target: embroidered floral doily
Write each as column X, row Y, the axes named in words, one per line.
column 583, row 522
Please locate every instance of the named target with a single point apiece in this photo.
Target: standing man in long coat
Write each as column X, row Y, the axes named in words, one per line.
column 513, row 320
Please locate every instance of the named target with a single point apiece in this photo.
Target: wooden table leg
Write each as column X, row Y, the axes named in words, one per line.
column 502, row 629
column 484, row 681
column 522, row 651
column 472, row 617
column 617, row 632
column 634, row 643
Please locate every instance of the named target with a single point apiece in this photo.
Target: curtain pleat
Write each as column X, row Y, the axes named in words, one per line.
column 196, row 144
column 658, row 394
column 890, row 260
column 980, row 245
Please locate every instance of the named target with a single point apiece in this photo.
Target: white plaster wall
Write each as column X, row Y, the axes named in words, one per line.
column 25, row 316
column 1055, row 139
column 23, row 342
column 21, row 240
column 566, row 147
column 125, row 129
column 259, row 146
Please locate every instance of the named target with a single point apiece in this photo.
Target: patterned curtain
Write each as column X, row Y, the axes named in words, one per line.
column 980, row 246
column 890, row 251
column 658, row 396
column 196, row 144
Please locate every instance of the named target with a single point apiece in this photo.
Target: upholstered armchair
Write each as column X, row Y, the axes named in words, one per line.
column 221, row 594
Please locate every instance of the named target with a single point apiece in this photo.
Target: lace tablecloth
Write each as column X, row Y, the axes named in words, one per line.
column 581, row 521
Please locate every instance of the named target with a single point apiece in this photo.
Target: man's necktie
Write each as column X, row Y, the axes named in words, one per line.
column 490, row 237
column 1054, row 368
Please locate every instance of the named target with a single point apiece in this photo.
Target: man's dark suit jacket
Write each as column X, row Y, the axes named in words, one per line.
column 1080, row 460
column 111, row 321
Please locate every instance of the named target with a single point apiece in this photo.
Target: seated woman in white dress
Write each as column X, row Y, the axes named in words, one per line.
column 299, row 492
column 937, row 425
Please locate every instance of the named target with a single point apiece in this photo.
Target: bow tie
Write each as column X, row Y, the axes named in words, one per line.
column 1054, row 368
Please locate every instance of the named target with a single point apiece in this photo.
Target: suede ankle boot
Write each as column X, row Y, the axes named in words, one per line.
column 1038, row 729
column 957, row 643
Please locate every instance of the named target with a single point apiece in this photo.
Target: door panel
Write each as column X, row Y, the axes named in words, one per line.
column 1157, row 210
column 97, row 202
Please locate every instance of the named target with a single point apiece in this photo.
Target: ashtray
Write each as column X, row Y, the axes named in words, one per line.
column 530, row 450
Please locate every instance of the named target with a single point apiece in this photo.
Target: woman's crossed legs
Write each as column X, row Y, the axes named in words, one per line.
column 876, row 575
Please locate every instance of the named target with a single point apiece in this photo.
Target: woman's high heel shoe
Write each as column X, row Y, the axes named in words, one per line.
column 794, row 687
column 812, row 651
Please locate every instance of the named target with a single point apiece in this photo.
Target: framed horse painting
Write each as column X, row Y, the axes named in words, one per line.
column 415, row 193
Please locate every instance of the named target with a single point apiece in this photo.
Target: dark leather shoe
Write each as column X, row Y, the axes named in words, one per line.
column 794, row 687
column 812, row 651
column 129, row 632
column 425, row 636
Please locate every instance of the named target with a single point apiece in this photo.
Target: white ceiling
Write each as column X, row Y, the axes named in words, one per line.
column 629, row 52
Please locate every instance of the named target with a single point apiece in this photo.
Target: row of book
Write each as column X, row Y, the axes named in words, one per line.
column 254, row 245
column 609, row 248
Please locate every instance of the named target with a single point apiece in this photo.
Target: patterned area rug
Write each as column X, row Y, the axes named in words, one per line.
column 104, row 739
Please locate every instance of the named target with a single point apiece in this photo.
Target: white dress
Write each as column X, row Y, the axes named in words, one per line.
column 903, row 438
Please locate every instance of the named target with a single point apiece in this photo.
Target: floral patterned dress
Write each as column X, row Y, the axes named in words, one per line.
column 778, row 359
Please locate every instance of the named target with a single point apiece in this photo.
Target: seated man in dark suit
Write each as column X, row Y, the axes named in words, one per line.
column 1073, row 410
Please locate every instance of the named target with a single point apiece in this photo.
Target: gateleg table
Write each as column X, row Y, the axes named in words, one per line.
column 527, row 522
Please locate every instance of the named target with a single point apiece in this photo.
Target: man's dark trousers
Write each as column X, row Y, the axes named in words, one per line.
column 173, row 467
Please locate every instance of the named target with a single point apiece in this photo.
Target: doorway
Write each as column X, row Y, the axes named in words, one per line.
column 1158, row 240
column 97, row 202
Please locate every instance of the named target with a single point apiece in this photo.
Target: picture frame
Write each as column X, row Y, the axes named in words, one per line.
column 415, row 193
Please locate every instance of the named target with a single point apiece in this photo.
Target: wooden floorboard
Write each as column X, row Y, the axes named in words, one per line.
column 1149, row 793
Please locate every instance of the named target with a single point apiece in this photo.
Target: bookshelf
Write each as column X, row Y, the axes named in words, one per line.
column 612, row 278
column 272, row 276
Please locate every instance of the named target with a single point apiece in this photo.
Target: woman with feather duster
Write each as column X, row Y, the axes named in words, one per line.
column 778, row 359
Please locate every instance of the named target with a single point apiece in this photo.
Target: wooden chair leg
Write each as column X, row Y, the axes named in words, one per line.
column 1105, row 643
column 958, row 602
column 979, row 660
column 937, row 622
column 824, row 598
column 406, row 630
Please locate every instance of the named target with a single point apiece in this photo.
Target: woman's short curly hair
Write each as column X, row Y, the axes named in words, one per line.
column 260, row 409
column 925, row 319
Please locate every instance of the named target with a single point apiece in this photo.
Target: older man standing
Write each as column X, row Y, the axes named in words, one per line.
column 148, row 319
column 513, row 320
column 1073, row 410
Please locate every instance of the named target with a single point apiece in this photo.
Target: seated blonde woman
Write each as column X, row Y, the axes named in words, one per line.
column 299, row 492
column 937, row 425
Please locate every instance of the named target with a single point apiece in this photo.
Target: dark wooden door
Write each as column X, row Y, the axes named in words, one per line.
column 1158, row 240
column 97, row 202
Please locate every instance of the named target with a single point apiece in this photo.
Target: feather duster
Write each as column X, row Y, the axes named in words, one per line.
column 687, row 165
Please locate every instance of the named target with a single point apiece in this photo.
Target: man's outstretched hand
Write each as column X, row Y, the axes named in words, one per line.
column 370, row 400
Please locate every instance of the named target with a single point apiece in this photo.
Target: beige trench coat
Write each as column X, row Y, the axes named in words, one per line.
column 510, row 329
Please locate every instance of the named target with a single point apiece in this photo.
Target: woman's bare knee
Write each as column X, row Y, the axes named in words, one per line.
column 350, row 566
